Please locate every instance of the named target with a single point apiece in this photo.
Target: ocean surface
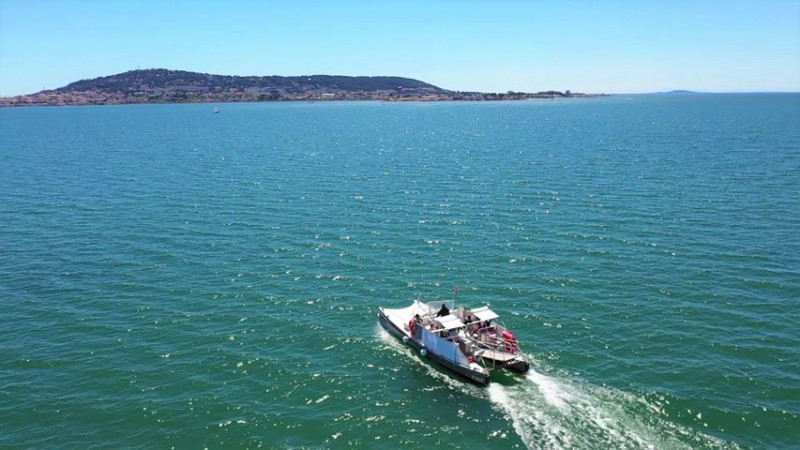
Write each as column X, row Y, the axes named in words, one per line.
column 175, row 278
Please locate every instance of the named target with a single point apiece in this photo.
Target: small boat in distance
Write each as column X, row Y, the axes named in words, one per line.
column 469, row 342
column 216, row 110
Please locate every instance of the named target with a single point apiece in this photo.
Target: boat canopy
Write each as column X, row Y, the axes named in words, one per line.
column 484, row 313
column 403, row 315
column 450, row 322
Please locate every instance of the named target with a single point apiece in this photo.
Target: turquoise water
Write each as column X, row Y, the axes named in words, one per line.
column 170, row 277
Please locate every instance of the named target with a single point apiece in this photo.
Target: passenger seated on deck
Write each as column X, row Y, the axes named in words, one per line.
column 443, row 312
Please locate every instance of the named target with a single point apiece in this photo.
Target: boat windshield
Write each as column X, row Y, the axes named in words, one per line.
column 436, row 306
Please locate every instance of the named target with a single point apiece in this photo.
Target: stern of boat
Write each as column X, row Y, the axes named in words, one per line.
column 519, row 365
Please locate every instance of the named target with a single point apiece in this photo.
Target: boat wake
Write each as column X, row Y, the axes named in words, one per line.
column 550, row 412
column 555, row 412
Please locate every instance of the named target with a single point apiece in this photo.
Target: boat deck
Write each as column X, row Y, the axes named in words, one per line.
column 498, row 356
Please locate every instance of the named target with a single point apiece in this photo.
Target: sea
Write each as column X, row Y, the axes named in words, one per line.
column 172, row 277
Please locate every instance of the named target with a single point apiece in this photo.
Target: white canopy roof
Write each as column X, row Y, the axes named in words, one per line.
column 484, row 313
column 403, row 315
column 450, row 322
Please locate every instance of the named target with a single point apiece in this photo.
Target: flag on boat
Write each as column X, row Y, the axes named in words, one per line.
column 456, row 290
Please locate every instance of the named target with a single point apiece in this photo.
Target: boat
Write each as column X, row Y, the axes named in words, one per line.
column 471, row 343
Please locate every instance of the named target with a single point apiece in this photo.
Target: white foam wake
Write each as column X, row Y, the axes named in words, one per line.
column 552, row 392
column 550, row 412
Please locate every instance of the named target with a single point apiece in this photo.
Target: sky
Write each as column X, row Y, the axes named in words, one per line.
column 602, row 46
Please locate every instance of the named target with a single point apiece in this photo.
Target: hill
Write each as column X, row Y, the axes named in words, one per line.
column 158, row 80
column 178, row 86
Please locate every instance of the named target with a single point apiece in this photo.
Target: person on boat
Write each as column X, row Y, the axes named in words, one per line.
column 412, row 325
column 443, row 312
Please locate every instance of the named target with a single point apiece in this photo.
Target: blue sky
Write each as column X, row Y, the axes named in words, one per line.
column 491, row 46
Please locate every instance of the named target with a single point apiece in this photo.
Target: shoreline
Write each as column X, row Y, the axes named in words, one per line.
column 97, row 99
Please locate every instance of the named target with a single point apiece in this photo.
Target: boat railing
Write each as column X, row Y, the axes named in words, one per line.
column 491, row 337
column 494, row 338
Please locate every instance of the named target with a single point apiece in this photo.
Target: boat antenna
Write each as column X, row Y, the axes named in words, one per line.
column 456, row 290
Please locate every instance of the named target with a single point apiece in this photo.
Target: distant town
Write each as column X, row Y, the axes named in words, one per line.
column 175, row 86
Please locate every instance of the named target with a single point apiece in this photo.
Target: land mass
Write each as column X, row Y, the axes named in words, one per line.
column 178, row 86
column 676, row 92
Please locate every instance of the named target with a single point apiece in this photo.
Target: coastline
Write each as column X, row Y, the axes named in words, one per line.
column 88, row 98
